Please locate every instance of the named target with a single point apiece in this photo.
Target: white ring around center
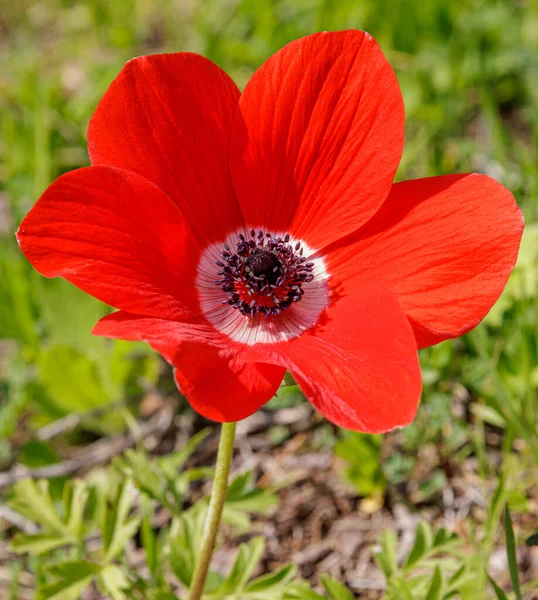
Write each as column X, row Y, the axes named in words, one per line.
column 289, row 324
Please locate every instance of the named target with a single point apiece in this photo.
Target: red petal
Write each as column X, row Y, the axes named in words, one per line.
column 161, row 333
column 224, row 388
column 168, row 117
column 318, row 137
column 116, row 236
column 444, row 245
column 209, row 367
column 359, row 367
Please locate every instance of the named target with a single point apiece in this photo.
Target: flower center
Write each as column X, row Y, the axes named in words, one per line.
column 263, row 274
column 264, row 265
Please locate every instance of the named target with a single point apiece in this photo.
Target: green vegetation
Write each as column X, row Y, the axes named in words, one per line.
column 468, row 72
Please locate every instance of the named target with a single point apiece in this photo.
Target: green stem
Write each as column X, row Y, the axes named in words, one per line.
column 214, row 513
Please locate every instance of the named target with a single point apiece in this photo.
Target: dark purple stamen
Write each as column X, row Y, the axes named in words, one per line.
column 263, row 274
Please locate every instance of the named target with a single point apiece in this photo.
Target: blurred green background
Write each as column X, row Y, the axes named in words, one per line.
column 469, row 74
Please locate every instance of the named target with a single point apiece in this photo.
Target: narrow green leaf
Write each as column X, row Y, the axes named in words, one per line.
column 270, row 580
column 122, row 534
column 434, row 593
column 78, row 496
column 457, row 575
column 246, row 560
column 236, row 519
column 441, row 537
column 149, row 541
column 301, row 590
column 117, row 528
column 494, row 513
column 335, row 589
column 193, row 527
column 74, row 568
column 124, row 501
column 498, row 592
column 186, row 541
column 386, row 556
column 511, row 552
column 239, row 487
column 181, row 562
column 423, row 541
column 37, row 544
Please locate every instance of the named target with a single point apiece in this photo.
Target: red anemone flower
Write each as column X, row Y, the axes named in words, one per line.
column 246, row 234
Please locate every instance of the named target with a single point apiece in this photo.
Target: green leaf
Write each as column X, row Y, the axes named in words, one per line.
column 73, row 578
column 149, row 539
column 495, row 509
column 498, row 592
column 244, row 498
column 117, row 529
column 441, row 538
column 239, row 487
column 146, row 476
column 36, row 453
column 75, row 498
column 185, row 544
column 301, row 590
column 71, row 379
column 386, row 556
column 335, row 589
column 272, row 580
column 401, row 589
column 37, row 544
column 122, row 535
column 213, row 580
column 114, row 581
column 434, row 593
column 511, row 552
column 70, row 328
column 423, row 541
column 246, row 560
column 172, row 463
column 457, row 576
column 532, row 540
column 33, row 501
column 362, row 454
column 181, row 563
column 162, row 479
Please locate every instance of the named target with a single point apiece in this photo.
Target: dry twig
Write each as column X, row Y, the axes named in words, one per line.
column 94, row 454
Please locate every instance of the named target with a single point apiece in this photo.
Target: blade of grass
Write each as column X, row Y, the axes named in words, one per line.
column 511, row 552
column 498, row 592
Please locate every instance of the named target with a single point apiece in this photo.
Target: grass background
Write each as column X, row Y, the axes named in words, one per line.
column 469, row 73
